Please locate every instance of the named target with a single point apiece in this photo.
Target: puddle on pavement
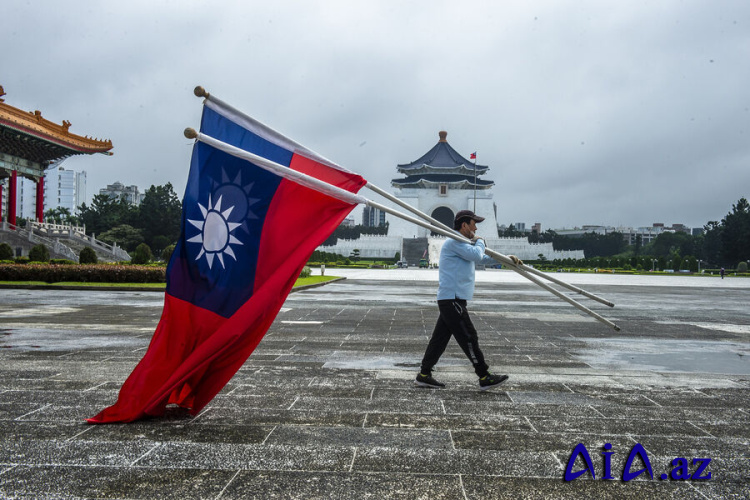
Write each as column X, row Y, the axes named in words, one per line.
column 660, row 355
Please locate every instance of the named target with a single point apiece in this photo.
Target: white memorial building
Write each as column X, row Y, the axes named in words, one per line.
column 441, row 183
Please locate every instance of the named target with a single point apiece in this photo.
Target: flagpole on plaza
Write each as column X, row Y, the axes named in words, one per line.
column 474, row 155
column 352, row 198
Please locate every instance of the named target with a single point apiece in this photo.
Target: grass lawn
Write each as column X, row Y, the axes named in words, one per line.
column 300, row 282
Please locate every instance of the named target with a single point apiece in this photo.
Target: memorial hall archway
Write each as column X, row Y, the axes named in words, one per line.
column 444, row 215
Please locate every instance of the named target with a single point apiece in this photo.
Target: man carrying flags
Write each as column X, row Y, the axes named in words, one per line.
column 456, row 287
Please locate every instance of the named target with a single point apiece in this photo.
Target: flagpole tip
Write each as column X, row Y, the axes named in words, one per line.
column 190, row 133
column 200, row 92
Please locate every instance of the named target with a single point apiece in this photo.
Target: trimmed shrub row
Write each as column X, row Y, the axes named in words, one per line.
column 90, row 273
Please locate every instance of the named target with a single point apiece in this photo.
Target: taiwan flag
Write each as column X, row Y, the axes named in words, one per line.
column 246, row 235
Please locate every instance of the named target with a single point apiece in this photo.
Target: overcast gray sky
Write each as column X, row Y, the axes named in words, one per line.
column 587, row 112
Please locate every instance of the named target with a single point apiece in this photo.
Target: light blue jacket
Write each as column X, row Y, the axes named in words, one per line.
column 457, row 262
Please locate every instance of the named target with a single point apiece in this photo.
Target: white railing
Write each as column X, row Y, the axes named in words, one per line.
column 43, row 232
column 52, row 229
column 54, row 245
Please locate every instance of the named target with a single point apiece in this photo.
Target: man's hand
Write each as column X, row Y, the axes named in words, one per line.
column 474, row 239
column 515, row 260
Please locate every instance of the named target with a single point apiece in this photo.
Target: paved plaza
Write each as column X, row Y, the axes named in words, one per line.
column 325, row 407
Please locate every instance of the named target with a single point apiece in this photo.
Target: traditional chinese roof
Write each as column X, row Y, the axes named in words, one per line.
column 27, row 136
column 442, row 165
column 442, row 158
column 434, row 180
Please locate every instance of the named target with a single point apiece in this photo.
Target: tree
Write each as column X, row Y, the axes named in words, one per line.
column 142, row 254
column 712, row 241
column 39, row 253
column 61, row 215
column 692, row 264
column 106, row 213
column 735, row 238
column 160, row 214
column 676, row 263
column 668, row 244
column 592, row 244
column 88, row 256
column 124, row 235
column 353, row 233
column 159, row 243
column 510, row 232
column 166, row 254
column 662, row 263
column 638, row 245
column 6, row 252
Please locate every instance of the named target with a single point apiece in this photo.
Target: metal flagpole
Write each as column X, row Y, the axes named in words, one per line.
column 475, row 182
column 352, row 198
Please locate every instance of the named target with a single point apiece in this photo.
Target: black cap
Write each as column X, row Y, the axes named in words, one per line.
column 465, row 216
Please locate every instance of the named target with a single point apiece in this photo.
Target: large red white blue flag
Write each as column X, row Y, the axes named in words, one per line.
column 246, row 235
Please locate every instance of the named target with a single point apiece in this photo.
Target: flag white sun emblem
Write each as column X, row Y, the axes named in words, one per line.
column 215, row 234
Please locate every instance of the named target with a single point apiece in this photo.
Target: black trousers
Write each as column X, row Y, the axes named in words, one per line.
column 454, row 321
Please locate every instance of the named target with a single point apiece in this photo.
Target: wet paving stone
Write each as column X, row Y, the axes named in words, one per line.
column 326, row 407
column 112, row 482
column 327, row 485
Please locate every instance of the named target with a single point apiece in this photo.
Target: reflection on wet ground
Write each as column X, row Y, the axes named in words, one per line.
column 663, row 355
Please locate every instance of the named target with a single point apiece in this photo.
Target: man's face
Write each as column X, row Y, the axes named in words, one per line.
column 469, row 228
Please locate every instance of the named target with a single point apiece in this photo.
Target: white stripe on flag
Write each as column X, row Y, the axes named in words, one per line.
column 267, row 132
column 285, row 172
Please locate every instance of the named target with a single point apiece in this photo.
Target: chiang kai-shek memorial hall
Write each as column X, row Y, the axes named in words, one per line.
column 440, row 183
column 29, row 144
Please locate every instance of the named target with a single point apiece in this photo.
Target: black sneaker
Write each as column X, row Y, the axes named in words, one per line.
column 491, row 381
column 427, row 381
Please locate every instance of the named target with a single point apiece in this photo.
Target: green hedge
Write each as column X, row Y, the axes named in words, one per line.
column 90, row 273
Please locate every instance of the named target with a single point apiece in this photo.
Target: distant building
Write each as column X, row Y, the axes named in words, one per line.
column 373, row 217
column 26, row 198
column 65, row 189
column 62, row 189
column 348, row 222
column 440, row 183
column 119, row 191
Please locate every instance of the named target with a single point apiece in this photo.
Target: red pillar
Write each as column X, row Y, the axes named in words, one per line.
column 40, row 200
column 12, row 186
